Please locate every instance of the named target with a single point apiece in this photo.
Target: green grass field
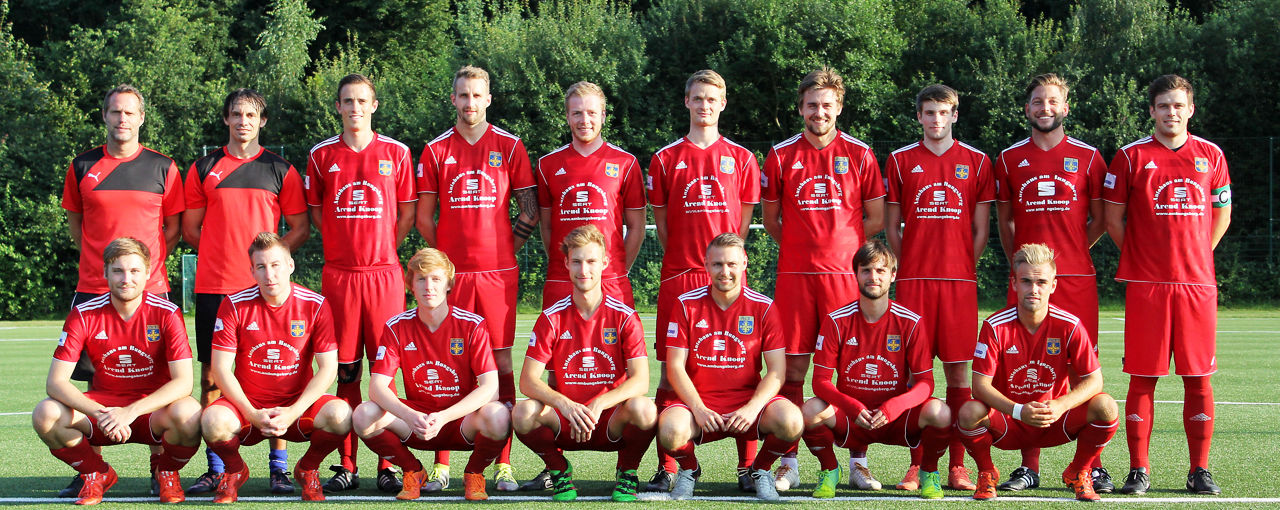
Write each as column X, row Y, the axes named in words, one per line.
column 1244, row 461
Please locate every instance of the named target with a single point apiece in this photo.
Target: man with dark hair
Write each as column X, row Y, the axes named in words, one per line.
column 233, row 194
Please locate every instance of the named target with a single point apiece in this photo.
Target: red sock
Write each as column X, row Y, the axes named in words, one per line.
column 933, row 443
column 1031, row 459
column 1089, row 444
column 322, row 444
column 389, row 447
column 917, row 455
column 81, row 457
column 154, row 461
column 978, row 442
column 229, row 452
column 486, row 450
column 543, row 442
column 956, row 397
column 771, row 450
column 174, row 457
column 1139, row 413
column 507, row 396
column 442, row 457
column 684, row 456
column 350, row 393
column 666, row 462
column 635, row 442
column 793, row 391
column 1197, row 418
column 746, row 452
column 821, row 442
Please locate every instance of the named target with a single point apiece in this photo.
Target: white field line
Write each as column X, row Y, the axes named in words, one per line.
column 650, row 496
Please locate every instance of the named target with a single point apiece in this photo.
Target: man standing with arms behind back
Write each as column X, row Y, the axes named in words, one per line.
column 360, row 188
column 1168, row 203
column 470, row 173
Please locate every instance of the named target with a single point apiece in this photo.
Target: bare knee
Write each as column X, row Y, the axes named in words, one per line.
column 49, row 416
column 935, row 414
column 674, row 428
column 218, row 423
column 1102, row 407
column 184, row 418
column 814, row 412
column 365, row 416
column 971, row 414
column 524, row 417
column 643, row 412
column 335, row 417
column 784, row 420
column 495, row 420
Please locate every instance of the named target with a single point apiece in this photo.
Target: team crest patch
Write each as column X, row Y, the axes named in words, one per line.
column 962, row 171
column 893, row 343
column 1070, row 165
column 297, row 328
column 153, row 333
column 455, row 346
column 1053, row 346
column 726, row 164
column 841, row 165
column 1202, row 165
column 495, row 158
column 746, row 324
column 384, row 167
column 611, row 169
column 610, row 336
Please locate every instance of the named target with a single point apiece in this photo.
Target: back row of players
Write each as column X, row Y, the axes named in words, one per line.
column 360, row 191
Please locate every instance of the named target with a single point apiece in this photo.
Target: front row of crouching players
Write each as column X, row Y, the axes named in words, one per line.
column 1037, row 382
column 875, row 347
column 450, row 382
column 137, row 343
column 718, row 339
column 595, row 345
column 264, row 341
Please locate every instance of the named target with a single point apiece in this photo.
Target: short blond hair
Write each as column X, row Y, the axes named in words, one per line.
column 706, row 76
column 939, row 93
column 584, row 88
column 265, row 241
column 471, row 73
column 727, row 240
column 1034, row 254
column 582, row 236
column 825, row 78
column 1045, row 80
column 425, row 261
column 122, row 247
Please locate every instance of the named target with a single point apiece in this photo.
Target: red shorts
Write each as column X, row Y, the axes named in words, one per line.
column 449, row 438
column 1010, row 434
column 669, row 292
column 139, row 431
column 299, row 432
column 949, row 306
column 903, row 431
column 803, row 299
column 753, row 431
column 619, row 287
column 1078, row 295
column 492, row 295
column 599, row 441
column 362, row 301
column 1170, row 320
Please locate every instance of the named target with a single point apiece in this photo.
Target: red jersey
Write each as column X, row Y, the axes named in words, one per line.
column 1168, row 223
column 873, row 361
column 589, row 356
column 592, row 189
column 129, row 357
column 473, row 185
column 274, row 346
column 127, row 197
column 440, row 367
column 240, row 198
column 1028, row 367
column 359, row 194
column 703, row 191
column 938, row 196
column 822, row 192
column 726, row 347
column 1050, row 192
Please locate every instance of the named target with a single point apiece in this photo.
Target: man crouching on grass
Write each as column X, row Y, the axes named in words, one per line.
column 450, row 384
column 137, row 343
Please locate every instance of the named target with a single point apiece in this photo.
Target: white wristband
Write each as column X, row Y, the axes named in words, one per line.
column 1017, row 412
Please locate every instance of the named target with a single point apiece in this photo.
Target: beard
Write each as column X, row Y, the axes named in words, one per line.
column 869, row 295
column 1057, row 123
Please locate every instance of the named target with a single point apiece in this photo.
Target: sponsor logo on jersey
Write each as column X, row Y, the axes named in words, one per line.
column 566, row 336
column 95, row 176
column 681, row 165
column 1053, row 346
column 384, row 167
column 455, row 346
column 871, row 370
column 1024, row 164
column 797, row 166
column 62, row 340
column 495, row 159
column 1013, row 349
column 297, row 328
column 1110, row 181
column 746, row 324
column 126, row 359
column 718, row 345
column 217, row 175
column 610, row 336
column 588, row 361
column 382, row 352
column 939, row 195
column 253, row 326
column 853, row 340
column 1045, row 188
column 533, row 339
column 701, row 324
column 820, row 189
column 153, row 333
column 706, row 190
column 334, row 168
column 672, row 330
column 273, row 354
column 841, row 165
column 980, row 351
column 102, row 335
column 217, row 325
column 1151, row 165
column 472, row 186
column 917, row 170
column 1033, row 375
column 1071, row 165
column 561, row 172
column 450, row 161
column 726, row 164
column 1202, row 165
column 893, row 343
column 818, row 345
column 411, row 347
column 433, row 374
column 611, row 169
column 962, row 171
column 1180, row 193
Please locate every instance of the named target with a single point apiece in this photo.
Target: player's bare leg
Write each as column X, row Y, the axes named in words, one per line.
column 788, row 473
column 676, row 428
column 958, row 393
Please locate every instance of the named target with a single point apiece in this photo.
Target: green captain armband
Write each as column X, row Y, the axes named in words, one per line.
column 1222, row 196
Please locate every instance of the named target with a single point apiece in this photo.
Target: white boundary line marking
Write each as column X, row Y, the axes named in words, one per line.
column 650, row 496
